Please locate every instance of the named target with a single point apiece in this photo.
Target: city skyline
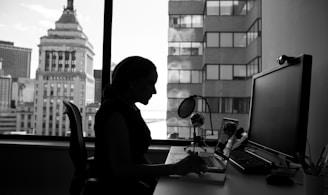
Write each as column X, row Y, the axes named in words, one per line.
column 131, row 39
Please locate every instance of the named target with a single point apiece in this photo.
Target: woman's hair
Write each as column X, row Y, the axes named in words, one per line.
column 126, row 72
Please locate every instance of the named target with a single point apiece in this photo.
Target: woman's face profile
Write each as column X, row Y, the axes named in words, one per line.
column 144, row 88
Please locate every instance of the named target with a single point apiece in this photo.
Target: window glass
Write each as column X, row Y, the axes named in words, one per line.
column 225, row 39
column 225, row 72
column 185, row 48
column 214, row 104
column 239, row 7
column 212, row 7
column 49, row 30
column 239, row 72
column 197, row 48
column 197, row 21
column 226, row 7
column 196, row 76
column 173, row 48
column 185, row 21
column 185, row 76
column 239, row 39
column 212, row 40
column 173, row 76
column 212, row 72
column 174, row 21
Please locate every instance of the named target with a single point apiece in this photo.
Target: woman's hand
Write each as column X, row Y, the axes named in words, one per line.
column 191, row 163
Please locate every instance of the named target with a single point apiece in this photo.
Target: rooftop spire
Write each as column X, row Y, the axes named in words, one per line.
column 70, row 5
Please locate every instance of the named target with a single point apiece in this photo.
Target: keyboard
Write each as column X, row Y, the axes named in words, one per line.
column 249, row 163
column 213, row 164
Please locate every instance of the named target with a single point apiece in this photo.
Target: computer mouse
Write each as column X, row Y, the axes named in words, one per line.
column 278, row 179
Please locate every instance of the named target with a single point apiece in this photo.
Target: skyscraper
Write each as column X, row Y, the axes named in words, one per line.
column 214, row 48
column 16, row 61
column 65, row 72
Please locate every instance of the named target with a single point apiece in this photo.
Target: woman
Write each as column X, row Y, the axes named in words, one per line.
column 122, row 136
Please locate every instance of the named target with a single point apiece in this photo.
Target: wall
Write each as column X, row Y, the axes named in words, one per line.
column 294, row 27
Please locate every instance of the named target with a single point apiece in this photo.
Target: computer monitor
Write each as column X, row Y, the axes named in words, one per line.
column 279, row 108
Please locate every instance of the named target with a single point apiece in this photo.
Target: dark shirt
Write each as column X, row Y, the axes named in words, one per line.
column 139, row 138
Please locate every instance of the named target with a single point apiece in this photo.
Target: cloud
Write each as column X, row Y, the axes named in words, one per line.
column 21, row 27
column 2, row 25
column 46, row 23
column 45, row 12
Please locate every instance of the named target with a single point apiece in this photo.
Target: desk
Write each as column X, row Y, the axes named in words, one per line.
column 236, row 183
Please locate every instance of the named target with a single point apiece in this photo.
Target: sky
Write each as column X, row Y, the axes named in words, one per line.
column 137, row 30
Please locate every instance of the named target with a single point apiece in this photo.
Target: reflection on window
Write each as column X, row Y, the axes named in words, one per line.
column 185, row 48
column 212, row 72
column 239, row 72
column 212, row 40
column 184, row 76
column 186, row 21
column 226, row 7
column 229, row 7
column 225, row 39
column 253, row 32
column 239, row 40
column 220, row 39
column 233, row 72
column 226, row 72
column 66, row 41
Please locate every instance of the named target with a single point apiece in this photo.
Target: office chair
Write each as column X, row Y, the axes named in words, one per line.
column 84, row 179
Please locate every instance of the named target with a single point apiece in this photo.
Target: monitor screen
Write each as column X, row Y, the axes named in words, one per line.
column 279, row 108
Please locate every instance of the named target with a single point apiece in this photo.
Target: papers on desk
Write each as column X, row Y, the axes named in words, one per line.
column 208, row 177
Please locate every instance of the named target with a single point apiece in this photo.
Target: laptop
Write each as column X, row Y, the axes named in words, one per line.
column 216, row 158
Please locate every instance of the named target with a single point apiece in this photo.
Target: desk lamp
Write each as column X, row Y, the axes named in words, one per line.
column 186, row 108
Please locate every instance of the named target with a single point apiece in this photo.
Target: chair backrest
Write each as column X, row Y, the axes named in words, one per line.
column 77, row 148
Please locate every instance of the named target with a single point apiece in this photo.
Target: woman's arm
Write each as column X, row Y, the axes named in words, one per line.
column 118, row 151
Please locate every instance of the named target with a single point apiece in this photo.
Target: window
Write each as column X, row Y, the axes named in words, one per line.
column 239, row 40
column 37, row 25
column 239, row 72
column 184, row 76
column 129, row 39
column 226, row 72
column 185, row 48
column 225, row 39
column 212, row 40
column 212, row 7
column 212, row 72
column 222, row 39
column 226, row 7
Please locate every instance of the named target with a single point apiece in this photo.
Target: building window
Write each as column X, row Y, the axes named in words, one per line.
column 212, row 40
column 186, row 21
column 239, row 39
column 212, row 72
column 226, row 72
column 226, row 7
column 229, row 7
column 212, row 7
column 225, row 39
column 185, row 48
column 239, row 72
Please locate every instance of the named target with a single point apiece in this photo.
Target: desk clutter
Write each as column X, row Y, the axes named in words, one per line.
column 178, row 153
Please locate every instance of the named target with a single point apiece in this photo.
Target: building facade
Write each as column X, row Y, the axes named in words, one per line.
column 214, row 49
column 65, row 72
column 98, row 86
column 16, row 61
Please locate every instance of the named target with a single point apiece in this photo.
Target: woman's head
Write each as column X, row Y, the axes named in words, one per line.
column 135, row 76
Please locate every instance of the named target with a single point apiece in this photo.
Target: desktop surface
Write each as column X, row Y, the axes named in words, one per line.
column 236, row 183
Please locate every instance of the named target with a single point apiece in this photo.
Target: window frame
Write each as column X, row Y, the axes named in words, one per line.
column 62, row 141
